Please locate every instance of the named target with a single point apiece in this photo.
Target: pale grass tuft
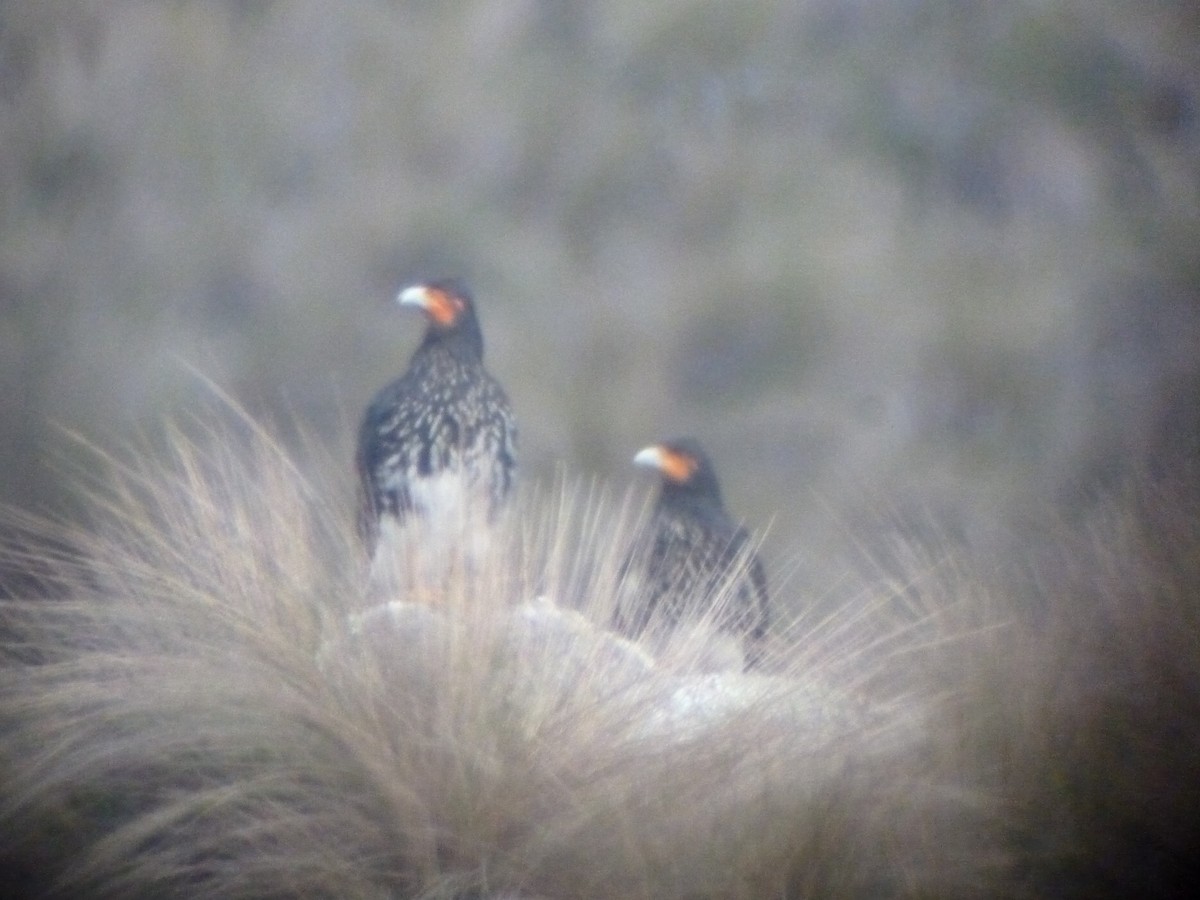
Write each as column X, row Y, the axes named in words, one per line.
column 221, row 698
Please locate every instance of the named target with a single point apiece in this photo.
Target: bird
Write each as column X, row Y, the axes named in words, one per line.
column 692, row 560
column 441, row 432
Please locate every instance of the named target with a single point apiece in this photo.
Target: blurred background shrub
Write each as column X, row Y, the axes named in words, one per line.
column 904, row 261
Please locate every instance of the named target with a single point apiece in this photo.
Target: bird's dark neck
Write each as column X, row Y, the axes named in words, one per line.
column 701, row 493
column 464, row 344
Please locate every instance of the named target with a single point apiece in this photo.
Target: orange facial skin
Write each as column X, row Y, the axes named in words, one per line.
column 675, row 465
column 441, row 306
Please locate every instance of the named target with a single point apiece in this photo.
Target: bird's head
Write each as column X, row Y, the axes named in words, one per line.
column 448, row 308
column 683, row 466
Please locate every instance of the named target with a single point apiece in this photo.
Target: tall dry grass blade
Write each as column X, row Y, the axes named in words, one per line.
column 212, row 703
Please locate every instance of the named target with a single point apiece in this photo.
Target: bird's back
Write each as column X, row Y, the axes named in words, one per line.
column 695, row 563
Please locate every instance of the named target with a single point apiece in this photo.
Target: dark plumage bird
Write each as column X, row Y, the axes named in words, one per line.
column 444, row 429
column 692, row 555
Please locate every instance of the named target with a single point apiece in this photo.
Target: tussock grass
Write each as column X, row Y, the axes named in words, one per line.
column 1085, row 718
column 215, row 699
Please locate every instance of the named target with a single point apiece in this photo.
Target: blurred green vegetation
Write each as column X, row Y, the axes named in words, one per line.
column 878, row 256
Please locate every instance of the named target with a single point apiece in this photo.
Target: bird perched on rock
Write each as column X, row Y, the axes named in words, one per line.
column 441, row 432
column 692, row 560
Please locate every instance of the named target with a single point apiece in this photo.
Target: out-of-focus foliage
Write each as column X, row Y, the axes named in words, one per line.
column 927, row 255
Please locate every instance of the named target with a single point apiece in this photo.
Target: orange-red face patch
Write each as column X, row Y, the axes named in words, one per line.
column 442, row 307
column 676, row 465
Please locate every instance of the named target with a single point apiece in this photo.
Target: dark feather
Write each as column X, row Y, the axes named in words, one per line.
column 446, row 413
column 691, row 553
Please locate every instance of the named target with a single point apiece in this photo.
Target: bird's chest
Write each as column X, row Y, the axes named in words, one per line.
column 442, row 416
column 683, row 557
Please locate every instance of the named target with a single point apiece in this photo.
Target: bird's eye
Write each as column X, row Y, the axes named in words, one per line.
column 679, row 467
column 444, row 308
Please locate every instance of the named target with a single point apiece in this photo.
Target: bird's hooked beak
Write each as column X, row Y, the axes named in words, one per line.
column 674, row 466
column 442, row 307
